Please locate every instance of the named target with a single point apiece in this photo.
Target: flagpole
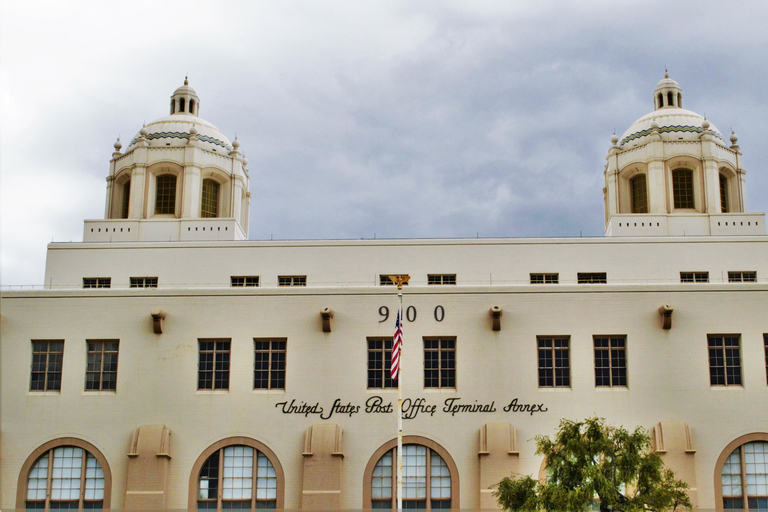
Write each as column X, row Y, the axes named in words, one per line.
column 399, row 280
column 400, row 414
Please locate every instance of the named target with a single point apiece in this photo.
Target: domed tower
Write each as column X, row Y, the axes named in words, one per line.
column 673, row 174
column 180, row 178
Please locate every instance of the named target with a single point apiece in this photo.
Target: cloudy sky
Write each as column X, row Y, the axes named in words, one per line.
column 365, row 119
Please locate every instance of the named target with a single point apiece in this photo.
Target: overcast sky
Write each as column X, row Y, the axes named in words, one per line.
column 363, row 119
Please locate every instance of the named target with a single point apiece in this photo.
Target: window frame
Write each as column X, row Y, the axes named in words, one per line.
column 143, row 282
column 217, row 350
column 723, row 458
column 638, row 196
column 384, row 279
column 592, row 278
column 47, row 373
column 765, row 343
column 165, row 194
column 742, row 276
column 694, row 277
column 210, row 203
column 553, row 350
column 23, row 480
column 683, row 189
column 101, row 363
column 440, row 350
column 274, row 358
column 724, row 197
column 738, row 378
column 441, row 279
column 97, row 282
column 293, row 280
column 373, row 375
column 616, row 371
column 546, row 278
column 192, row 496
column 244, row 281
column 410, row 440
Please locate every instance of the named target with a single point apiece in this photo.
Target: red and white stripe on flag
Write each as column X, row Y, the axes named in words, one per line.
column 397, row 342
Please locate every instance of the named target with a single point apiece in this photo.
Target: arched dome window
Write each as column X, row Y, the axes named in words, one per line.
column 430, row 478
column 661, row 101
column 67, row 477
column 639, row 191
column 744, row 477
column 682, row 188
column 238, row 477
column 724, row 206
column 173, row 106
column 679, row 100
column 126, row 199
column 670, row 99
column 165, row 195
column 181, row 105
column 191, row 106
column 210, row 199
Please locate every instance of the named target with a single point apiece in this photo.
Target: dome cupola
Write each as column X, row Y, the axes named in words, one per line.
column 185, row 101
column 668, row 94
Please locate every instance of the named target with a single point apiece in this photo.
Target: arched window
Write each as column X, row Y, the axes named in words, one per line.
column 191, row 106
column 126, row 199
column 724, row 193
column 679, row 100
column 661, row 100
column 181, row 105
column 173, row 106
column 639, row 191
column 682, row 188
column 744, row 477
column 670, row 99
column 64, row 476
column 238, row 477
column 210, row 200
column 165, row 195
column 430, row 479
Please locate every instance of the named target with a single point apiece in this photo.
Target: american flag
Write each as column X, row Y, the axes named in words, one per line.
column 397, row 341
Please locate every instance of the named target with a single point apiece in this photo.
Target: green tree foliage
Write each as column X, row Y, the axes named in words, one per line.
column 590, row 464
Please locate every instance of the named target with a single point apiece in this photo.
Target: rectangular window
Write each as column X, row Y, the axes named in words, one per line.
column 592, row 277
column 742, row 277
column 269, row 363
column 545, row 278
column 46, row 365
column 97, row 282
column 101, row 370
column 213, row 367
column 694, row 277
column 724, row 360
column 380, row 363
column 441, row 279
column 610, row 361
column 440, row 363
column 245, row 280
column 165, row 196
column 554, row 362
column 143, row 282
column 682, row 188
column 384, row 280
column 292, row 280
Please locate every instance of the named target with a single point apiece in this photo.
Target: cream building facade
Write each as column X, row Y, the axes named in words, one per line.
column 171, row 363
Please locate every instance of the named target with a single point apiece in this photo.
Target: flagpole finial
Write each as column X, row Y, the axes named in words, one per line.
column 399, row 280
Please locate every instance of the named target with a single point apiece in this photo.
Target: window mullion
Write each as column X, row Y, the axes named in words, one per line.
column 254, row 477
column 49, row 481
column 219, row 490
column 83, row 469
column 743, row 468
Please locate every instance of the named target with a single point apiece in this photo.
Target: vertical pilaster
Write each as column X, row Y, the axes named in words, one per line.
column 657, row 187
column 148, row 461
column 321, row 479
column 498, row 458
column 672, row 440
column 191, row 188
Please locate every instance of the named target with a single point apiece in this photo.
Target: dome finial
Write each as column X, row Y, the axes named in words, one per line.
column 186, row 81
column 666, row 73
